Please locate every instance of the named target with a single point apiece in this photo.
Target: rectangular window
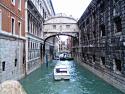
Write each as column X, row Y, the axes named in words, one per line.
column 19, row 28
column 13, row 25
column 13, row 2
column 87, row 21
column 118, row 64
column 102, row 28
column 28, row 21
column 94, row 34
column 83, row 25
column 88, row 36
column 28, row 44
column 45, row 15
column 19, row 4
column 3, row 66
column 103, row 60
column 102, row 7
column 118, row 24
column 67, row 26
column 15, row 62
column 31, row 46
column 94, row 58
column 54, row 26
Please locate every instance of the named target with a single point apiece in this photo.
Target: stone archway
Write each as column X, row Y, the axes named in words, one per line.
column 74, row 37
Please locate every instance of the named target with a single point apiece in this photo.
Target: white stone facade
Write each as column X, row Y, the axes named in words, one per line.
column 12, row 55
column 36, row 12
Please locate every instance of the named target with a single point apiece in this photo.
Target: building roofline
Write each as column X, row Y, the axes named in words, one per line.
column 87, row 8
column 52, row 6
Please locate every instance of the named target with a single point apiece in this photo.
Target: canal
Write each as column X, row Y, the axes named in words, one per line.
column 82, row 82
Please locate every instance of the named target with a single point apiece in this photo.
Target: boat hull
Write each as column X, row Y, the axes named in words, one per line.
column 61, row 77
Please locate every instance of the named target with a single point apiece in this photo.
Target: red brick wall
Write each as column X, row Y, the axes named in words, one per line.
column 17, row 14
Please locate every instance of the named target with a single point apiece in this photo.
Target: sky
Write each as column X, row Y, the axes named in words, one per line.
column 70, row 7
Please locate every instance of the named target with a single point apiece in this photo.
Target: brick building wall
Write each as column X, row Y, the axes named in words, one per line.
column 9, row 10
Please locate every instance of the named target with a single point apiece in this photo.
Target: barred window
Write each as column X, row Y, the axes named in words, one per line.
column 67, row 26
column 54, row 26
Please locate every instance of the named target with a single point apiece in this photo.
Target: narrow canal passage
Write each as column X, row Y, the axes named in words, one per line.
column 82, row 82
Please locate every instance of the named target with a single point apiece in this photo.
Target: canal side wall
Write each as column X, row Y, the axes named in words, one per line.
column 33, row 69
column 11, row 58
column 102, row 40
column 114, row 80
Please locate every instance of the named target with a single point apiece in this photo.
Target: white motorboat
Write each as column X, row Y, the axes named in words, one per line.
column 61, row 72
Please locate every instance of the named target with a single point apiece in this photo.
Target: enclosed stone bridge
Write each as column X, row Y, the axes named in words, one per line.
column 60, row 25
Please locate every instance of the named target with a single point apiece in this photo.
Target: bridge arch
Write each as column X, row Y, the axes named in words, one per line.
column 74, row 37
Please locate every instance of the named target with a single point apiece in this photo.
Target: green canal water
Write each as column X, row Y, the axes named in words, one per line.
column 82, row 81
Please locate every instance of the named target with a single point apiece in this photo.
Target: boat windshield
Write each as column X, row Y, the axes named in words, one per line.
column 61, row 70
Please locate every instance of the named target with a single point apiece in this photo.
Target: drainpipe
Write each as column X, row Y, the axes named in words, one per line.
column 0, row 20
column 0, row 69
column 24, row 59
column 26, row 42
column 0, row 44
